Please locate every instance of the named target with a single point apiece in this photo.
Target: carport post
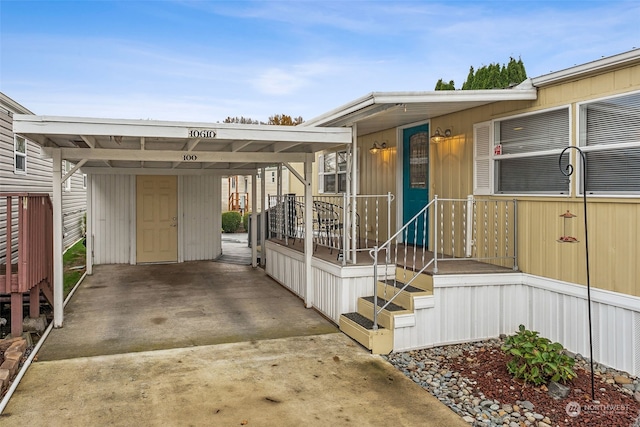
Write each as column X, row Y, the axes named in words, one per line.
column 308, row 230
column 58, row 294
column 254, row 220
column 263, row 213
column 89, row 227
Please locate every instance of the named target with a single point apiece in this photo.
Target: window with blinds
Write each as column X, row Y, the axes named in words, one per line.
column 610, row 137
column 525, row 153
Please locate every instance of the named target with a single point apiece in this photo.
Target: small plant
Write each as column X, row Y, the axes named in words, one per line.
column 231, row 221
column 245, row 221
column 536, row 359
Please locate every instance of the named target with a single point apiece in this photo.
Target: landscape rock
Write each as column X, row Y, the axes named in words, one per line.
column 557, row 390
column 619, row 379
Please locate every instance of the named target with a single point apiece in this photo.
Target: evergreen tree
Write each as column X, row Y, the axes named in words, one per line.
column 492, row 76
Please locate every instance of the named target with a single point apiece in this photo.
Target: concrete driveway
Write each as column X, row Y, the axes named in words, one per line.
column 208, row 344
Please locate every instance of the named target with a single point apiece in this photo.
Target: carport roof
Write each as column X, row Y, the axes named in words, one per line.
column 183, row 146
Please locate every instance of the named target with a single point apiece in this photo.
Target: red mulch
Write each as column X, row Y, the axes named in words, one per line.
column 487, row 366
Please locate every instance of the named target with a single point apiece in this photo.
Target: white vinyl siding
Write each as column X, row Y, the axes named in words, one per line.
column 609, row 135
column 529, row 147
column 111, row 210
column 36, row 179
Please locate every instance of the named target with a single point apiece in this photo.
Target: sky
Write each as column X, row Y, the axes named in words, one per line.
column 202, row 61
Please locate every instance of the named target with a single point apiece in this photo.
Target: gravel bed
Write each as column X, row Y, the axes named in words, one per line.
column 473, row 381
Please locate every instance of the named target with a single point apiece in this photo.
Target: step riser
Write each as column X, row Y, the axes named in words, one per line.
column 423, row 281
column 379, row 342
column 385, row 318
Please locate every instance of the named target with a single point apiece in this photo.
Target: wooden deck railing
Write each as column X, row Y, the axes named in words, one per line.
column 239, row 201
column 28, row 259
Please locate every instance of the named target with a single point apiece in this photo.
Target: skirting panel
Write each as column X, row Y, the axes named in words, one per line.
column 336, row 289
column 475, row 310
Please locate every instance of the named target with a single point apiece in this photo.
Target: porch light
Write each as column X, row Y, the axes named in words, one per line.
column 438, row 136
column 377, row 147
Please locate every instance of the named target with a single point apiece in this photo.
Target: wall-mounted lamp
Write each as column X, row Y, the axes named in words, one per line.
column 439, row 136
column 377, row 147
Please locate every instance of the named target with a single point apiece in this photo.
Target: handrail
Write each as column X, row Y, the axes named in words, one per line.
column 470, row 229
column 387, row 246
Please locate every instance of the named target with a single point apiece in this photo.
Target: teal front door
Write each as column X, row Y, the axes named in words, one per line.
column 415, row 182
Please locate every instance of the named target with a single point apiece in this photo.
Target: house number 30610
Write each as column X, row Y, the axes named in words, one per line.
column 190, row 157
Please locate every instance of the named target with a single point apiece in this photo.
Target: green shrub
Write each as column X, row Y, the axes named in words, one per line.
column 536, row 359
column 231, row 222
column 245, row 221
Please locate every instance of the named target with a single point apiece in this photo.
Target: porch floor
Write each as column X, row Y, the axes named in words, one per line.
column 450, row 266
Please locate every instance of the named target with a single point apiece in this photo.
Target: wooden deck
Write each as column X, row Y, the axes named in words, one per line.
column 448, row 266
column 32, row 247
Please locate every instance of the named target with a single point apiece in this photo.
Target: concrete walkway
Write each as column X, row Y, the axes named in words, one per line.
column 208, row 344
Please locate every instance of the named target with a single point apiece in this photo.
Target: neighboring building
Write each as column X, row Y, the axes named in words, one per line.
column 236, row 189
column 23, row 169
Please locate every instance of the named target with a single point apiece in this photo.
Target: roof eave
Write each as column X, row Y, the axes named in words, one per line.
column 597, row 66
column 522, row 92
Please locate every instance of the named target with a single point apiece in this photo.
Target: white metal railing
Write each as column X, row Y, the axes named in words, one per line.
column 334, row 226
column 471, row 229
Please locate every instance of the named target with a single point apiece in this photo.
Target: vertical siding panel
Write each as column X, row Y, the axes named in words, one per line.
column 112, row 203
column 201, row 203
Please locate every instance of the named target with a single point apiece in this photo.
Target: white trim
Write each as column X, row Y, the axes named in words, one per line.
column 175, row 156
column 133, row 218
column 50, row 125
column 377, row 102
column 58, row 281
column 494, row 158
column 404, row 320
column 603, row 296
column 599, row 65
column 180, row 209
column 163, row 171
column 575, row 183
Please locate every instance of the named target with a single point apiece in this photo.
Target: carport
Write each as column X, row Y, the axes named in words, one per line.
column 153, row 186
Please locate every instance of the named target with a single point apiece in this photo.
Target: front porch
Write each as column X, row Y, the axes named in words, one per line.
column 376, row 289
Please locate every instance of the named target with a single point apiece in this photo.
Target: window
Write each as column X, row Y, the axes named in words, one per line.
column 66, row 167
column 524, row 154
column 332, row 170
column 20, row 154
column 273, row 177
column 609, row 135
column 246, row 184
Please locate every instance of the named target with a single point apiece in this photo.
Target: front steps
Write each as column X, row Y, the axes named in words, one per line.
column 359, row 325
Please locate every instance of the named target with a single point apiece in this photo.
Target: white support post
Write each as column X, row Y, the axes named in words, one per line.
column 354, row 189
column 89, row 226
column 308, row 231
column 58, row 284
column 469, row 231
column 254, row 220
column 263, row 219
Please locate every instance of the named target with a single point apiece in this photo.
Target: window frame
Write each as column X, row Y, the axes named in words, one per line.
column 581, row 141
column 494, row 132
column 66, row 167
column 17, row 154
column 322, row 174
